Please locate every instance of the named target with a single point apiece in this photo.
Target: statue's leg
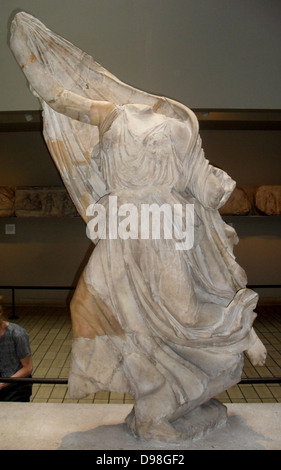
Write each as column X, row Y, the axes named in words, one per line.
column 90, row 316
column 160, row 412
column 149, row 419
column 95, row 352
column 159, row 417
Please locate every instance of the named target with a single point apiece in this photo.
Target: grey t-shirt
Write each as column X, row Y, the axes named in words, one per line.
column 14, row 346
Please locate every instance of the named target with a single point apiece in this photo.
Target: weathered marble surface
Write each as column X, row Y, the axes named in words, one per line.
column 167, row 325
column 268, row 199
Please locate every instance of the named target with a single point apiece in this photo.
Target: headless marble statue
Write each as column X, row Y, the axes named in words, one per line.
column 167, row 325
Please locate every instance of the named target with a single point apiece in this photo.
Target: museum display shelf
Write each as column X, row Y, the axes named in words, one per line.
column 212, row 119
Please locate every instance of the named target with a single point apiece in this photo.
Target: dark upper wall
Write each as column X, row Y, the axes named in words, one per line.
column 205, row 53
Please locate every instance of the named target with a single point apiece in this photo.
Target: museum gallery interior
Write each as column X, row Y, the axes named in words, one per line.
column 140, row 203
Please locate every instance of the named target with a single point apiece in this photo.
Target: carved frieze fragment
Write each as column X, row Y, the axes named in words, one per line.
column 268, row 199
column 7, row 201
column 238, row 203
column 43, row 202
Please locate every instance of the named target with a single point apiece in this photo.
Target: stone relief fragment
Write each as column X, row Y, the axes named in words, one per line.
column 7, row 201
column 238, row 203
column 268, row 199
column 43, row 202
column 55, row 202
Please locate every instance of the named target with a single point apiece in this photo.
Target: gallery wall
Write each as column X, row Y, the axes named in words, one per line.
column 53, row 251
column 206, row 53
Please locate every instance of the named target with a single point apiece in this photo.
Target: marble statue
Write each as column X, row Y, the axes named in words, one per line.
column 169, row 326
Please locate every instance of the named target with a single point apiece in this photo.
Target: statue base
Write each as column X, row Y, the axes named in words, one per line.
column 74, row 426
column 190, row 426
column 202, row 420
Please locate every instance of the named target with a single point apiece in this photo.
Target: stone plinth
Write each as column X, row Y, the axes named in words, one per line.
column 50, row 426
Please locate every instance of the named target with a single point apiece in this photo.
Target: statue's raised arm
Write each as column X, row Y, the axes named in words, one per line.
column 49, row 89
column 71, row 85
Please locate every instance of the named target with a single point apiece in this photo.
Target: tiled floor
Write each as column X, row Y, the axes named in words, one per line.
column 50, row 338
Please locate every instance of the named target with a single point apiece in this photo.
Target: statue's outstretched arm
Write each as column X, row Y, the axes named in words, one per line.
column 50, row 90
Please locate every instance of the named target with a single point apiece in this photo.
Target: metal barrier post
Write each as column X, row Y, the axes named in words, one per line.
column 13, row 316
column 60, row 381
